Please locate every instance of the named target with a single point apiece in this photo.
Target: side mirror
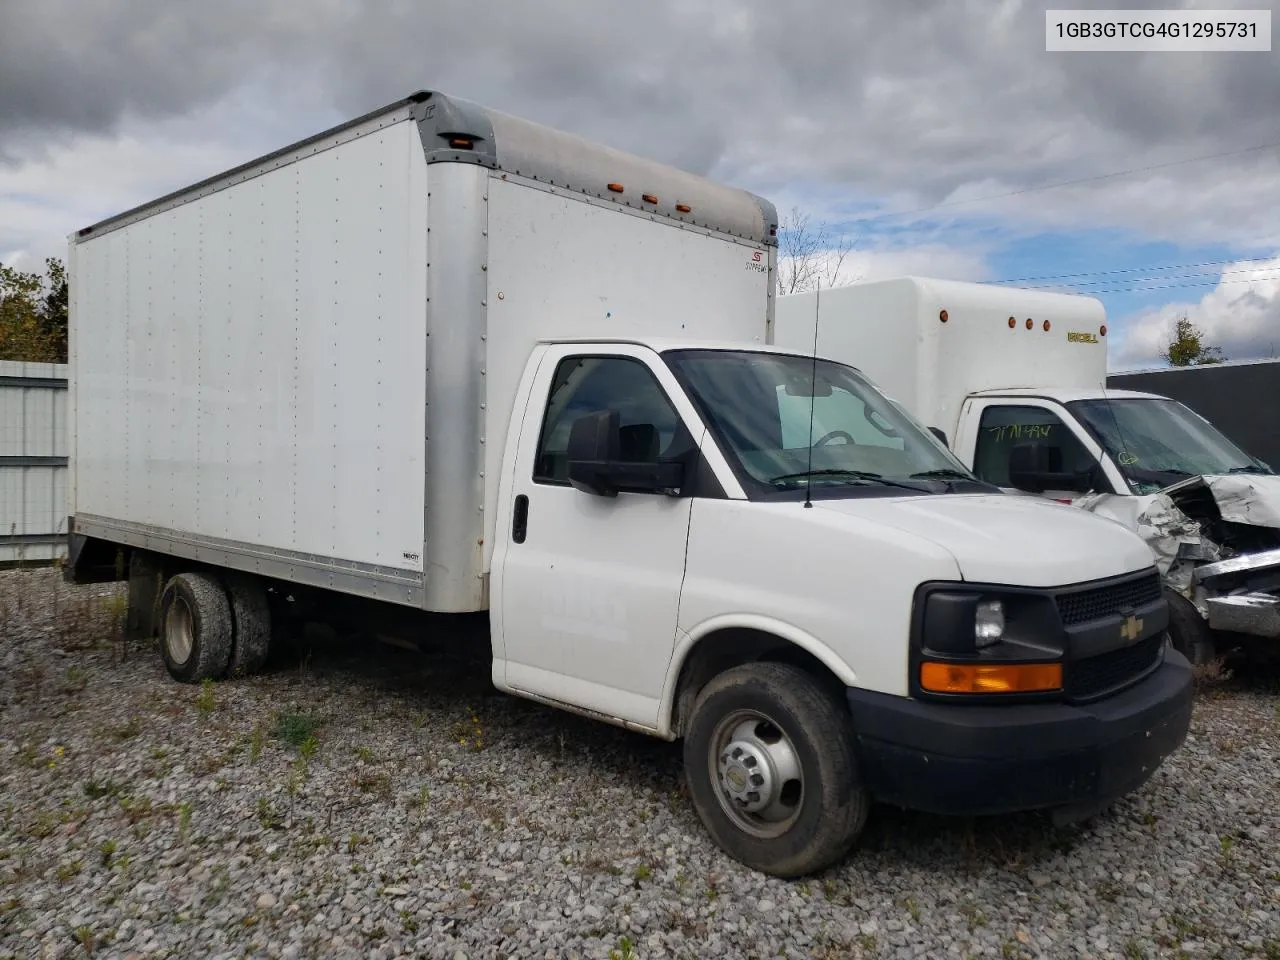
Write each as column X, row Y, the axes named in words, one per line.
column 941, row 435
column 1032, row 469
column 596, row 465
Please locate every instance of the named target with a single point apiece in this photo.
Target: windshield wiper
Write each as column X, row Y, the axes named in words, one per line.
column 863, row 475
column 946, row 473
column 1251, row 468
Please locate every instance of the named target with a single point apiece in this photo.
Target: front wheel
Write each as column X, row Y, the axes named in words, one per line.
column 770, row 763
column 1191, row 635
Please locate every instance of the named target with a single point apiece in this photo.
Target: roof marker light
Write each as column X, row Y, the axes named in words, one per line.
column 684, row 207
column 1030, row 323
column 1102, row 330
column 1046, row 326
column 1012, row 323
column 943, row 315
column 648, row 198
column 615, row 187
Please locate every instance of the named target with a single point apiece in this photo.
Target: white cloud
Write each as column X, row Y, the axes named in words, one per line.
column 879, row 263
column 1241, row 315
column 881, row 105
column 76, row 179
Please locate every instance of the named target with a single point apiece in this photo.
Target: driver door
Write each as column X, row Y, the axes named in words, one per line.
column 590, row 585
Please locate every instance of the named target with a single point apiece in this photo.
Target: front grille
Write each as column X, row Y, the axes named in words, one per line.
column 1106, row 672
column 1094, row 603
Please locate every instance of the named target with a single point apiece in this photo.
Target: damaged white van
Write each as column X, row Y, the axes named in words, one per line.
column 1015, row 382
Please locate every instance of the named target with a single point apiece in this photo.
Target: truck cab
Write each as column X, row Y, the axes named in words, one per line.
column 1014, row 382
column 759, row 553
column 1209, row 510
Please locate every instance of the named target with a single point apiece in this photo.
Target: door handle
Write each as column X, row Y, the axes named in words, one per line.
column 520, row 519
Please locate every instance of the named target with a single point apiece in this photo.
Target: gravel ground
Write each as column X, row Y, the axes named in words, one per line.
column 392, row 805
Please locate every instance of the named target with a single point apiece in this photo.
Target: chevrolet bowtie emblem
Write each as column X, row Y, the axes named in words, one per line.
column 1131, row 628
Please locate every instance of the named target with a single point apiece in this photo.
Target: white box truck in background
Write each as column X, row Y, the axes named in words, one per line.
column 441, row 361
column 1015, row 380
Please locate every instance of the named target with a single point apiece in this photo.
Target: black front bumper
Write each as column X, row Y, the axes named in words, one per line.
column 976, row 759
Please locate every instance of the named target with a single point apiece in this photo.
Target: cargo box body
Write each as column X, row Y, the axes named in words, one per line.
column 992, row 338
column 305, row 367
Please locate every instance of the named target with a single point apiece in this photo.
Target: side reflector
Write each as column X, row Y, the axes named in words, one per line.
column 683, row 207
column 648, row 198
column 990, row 677
column 615, row 187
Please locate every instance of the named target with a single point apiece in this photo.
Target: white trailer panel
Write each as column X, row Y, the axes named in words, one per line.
column 992, row 338
column 250, row 356
column 305, row 366
column 33, row 461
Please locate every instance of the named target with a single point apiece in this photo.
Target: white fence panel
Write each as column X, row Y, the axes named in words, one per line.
column 33, row 461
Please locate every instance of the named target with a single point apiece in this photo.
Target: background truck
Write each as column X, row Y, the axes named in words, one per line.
column 440, row 367
column 1015, row 381
column 1239, row 397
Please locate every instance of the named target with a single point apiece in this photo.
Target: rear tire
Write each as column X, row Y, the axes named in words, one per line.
column 250, row 625
column 1191, row 635
column 770, row 762
column 195, row 628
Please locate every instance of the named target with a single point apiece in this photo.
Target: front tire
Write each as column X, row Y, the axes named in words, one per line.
column 770, row 762
column 1191, row 635
column 195, row 628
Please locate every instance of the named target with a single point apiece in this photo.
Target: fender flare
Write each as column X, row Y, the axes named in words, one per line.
column 686, row 643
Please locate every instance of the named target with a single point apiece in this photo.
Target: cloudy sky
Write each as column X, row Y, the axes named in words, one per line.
column 934, row 136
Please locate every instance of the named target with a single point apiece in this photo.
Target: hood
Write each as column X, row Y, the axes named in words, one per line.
column 1252, row 498
column 996, row 538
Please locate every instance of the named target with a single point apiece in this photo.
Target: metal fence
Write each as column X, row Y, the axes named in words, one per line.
column 33, row 462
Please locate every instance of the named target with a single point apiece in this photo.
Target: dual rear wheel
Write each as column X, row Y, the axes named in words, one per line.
column 213, row 628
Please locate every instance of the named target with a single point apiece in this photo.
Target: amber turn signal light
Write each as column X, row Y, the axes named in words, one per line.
column 990, row 677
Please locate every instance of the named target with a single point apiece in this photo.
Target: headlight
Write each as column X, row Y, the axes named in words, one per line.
column 988, row 623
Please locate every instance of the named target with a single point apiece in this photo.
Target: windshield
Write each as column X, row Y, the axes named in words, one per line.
column 1156, row 442
column 759, row 404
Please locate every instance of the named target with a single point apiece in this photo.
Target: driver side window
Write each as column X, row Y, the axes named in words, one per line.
column 584, row 385
column 1004, row 427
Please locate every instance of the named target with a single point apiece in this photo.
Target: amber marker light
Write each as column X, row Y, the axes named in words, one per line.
column 990, row 677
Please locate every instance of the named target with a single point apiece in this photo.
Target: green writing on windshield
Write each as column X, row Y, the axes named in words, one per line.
column 1021, row 431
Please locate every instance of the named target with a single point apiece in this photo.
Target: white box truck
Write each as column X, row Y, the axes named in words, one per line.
column 1015, row 380
column 450, row 364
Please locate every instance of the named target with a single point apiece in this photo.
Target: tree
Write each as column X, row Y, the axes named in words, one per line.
column 33, row 314
column 1187, row 348
column 807, row 254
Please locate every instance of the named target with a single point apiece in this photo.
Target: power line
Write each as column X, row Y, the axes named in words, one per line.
column 1175, row 286
column 1131, row 280
column 1143, row 269
column 1076, row 182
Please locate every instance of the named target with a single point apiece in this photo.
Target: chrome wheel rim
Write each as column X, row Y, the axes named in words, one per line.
column 179, row 631
column 756, row 772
